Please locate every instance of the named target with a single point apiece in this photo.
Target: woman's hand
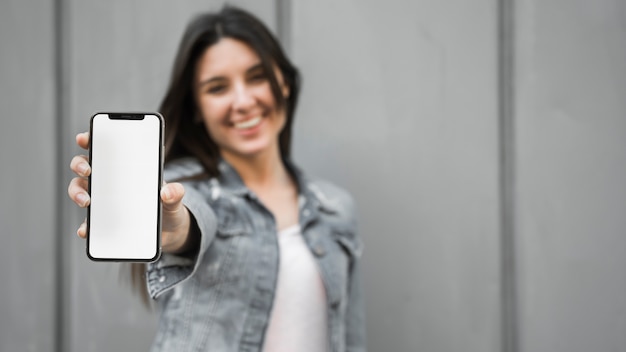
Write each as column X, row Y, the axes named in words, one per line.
column 176, row 217
column 175, row 236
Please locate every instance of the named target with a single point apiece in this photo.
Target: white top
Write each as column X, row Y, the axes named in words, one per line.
column 298, row 321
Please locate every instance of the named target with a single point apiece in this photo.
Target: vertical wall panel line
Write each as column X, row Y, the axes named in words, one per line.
column 60, row 313
column 506, row 89
column 283, row 23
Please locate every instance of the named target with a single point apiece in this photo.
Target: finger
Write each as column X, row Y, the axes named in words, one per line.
column 82, row 230
column 82, row 139
column 77, row 190
column 80, row 165
column 172, row 196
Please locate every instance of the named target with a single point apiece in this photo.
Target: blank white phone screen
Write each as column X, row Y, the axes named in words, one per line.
column 125, row 165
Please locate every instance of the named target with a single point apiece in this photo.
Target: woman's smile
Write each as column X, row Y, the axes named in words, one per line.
column 247, row 124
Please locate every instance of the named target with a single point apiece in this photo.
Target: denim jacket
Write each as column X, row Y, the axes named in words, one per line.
column 220, row 297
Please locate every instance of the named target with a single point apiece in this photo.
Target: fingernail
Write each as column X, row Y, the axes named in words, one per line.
column 82, row 199
column 166, row 194
column 82, row 169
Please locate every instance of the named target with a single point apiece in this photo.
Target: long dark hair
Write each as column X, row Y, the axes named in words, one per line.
column 183, row 136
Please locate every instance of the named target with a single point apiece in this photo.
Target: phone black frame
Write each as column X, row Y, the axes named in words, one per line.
column 131, row 116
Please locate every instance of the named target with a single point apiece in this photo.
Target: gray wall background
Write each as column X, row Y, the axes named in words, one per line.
column 485, row 144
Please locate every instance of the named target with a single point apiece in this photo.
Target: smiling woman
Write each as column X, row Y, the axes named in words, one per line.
column 257, row 256
column 236, row 103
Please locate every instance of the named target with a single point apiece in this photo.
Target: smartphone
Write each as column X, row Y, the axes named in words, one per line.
column 124, row 217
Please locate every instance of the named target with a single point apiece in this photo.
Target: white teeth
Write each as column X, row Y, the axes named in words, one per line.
column 249, row 123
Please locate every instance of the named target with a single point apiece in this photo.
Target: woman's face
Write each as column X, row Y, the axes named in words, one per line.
column 235, row 100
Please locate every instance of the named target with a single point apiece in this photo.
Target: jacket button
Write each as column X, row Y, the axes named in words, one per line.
column 319, row 250
column 162, row 278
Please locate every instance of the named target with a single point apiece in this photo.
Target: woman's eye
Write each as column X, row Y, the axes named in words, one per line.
column 216, row 89
column 258, row 77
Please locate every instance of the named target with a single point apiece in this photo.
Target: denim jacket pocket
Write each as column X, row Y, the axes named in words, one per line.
column 349, row 242
column 230, row 218
column 229, row 228
column 336, row 252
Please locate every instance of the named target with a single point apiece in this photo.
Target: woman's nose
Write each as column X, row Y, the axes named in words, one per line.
column 243, row 98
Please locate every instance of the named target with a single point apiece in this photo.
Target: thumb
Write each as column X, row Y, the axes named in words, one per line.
column 172, row 196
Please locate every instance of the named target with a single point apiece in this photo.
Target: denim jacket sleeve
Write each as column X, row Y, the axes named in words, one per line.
column 347, row 235
column 172, row 269
column 355, row 315
column 355, row 312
